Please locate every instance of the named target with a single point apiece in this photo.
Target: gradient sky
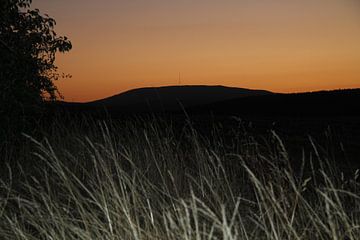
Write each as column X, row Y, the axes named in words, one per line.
column 277, row 45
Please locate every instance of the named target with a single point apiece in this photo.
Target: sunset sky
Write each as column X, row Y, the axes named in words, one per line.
column 277, row 45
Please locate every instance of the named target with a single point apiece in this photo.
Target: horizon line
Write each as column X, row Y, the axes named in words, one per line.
column 205, row 85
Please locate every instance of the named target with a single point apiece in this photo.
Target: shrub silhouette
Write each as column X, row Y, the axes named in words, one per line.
column 28, row 44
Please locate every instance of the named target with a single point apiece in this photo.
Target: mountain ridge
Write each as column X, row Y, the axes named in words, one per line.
column 221, row 100
column 170, row 98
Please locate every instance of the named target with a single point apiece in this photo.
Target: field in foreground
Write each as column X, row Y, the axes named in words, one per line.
column 152, row 179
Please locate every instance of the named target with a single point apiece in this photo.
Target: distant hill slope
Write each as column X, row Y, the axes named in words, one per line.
column 172, row 98
column 321, row 103
column 219, row 100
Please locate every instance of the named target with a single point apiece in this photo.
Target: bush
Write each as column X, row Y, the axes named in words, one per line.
column 28, row 44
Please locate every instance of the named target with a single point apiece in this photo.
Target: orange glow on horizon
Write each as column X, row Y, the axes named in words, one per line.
column 281, row 46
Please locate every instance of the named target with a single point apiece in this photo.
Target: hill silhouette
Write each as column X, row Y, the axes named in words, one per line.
column 220, row 100
column 172, row 98
column 320, row 103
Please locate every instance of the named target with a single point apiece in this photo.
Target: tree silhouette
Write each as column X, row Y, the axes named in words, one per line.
column 28, row 45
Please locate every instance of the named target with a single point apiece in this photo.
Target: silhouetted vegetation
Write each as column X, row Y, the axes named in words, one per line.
column 28, row 46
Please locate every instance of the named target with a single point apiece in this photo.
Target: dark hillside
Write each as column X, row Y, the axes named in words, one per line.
column 319, row 104
column 172, row 98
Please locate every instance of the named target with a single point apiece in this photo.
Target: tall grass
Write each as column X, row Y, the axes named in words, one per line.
column 157, row 180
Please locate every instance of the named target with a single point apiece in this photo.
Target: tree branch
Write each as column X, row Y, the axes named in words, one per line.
column 8, row 48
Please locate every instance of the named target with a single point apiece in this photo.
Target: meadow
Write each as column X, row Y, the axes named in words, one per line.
column 148, row 178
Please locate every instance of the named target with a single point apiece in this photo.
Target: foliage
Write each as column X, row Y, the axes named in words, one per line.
column 28, row 45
